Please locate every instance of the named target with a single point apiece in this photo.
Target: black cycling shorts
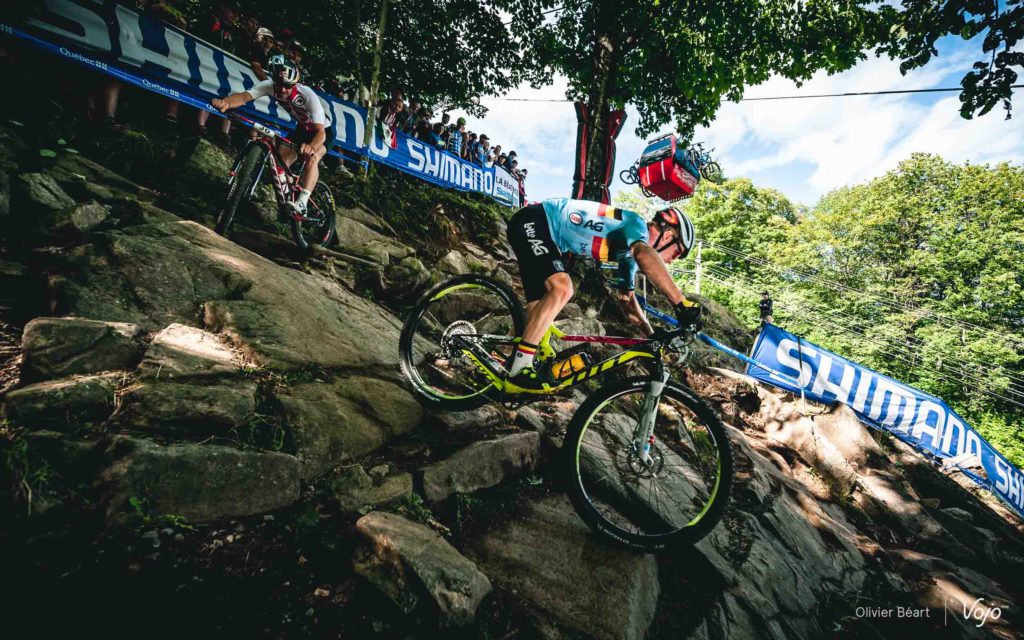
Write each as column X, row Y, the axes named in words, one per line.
column 301, row 135
column 538, row 257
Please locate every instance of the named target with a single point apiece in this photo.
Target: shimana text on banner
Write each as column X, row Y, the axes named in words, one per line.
column 115, row 40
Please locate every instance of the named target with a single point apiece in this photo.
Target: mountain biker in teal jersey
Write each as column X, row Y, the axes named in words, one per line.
column 541, row 233
column 314, row 132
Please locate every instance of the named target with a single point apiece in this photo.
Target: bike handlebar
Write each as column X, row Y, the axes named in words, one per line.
column 261, row 128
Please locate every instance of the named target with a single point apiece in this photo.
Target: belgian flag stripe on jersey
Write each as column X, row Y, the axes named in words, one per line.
column 609, row 212
column 599, row 249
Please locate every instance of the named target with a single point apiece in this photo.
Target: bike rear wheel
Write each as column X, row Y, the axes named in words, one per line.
column 711, row 171
column 674, row 500
column 467, row 313
column 319, row 225
column 246, row 174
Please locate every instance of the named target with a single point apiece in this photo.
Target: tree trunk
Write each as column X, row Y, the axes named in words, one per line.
column 371, row 116
column 597, row 107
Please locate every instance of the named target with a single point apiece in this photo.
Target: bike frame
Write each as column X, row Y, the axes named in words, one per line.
column 285, row 180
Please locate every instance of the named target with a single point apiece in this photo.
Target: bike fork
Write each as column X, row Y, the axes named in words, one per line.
column 644, row 436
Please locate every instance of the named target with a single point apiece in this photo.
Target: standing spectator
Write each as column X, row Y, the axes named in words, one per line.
column 500, row 161
column 496, row 151
column 408, row 117
column 219, row 29
column 423, row 128
column 522, row 188
column 469, row 149
column 483, row 151
column 260, row 50
column 169, row 12
column 388, row 116
column 296, row 51
column 510, row 160
column 765, row 307
column 456, row 137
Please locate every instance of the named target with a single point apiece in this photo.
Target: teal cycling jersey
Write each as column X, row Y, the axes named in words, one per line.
column 597, row 230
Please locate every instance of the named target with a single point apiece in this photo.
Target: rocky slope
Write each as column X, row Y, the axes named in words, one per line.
column 216, row 432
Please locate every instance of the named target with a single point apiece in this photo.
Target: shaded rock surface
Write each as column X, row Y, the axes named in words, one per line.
column 199, row 482
column 57, row 347
column 333, row 422
column 354, row 488
column 482, row 464
column 569, row 579
column 409, row 563
column 188, row 409
column 66, row 403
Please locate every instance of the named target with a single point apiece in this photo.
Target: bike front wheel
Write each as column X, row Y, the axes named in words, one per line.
column 452, row 329
column 247, row 171
column 319, row 224
column 673, row 498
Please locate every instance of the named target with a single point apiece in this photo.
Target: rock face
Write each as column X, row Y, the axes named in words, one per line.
column 57, row 347
column 66, row 403
column 181, row 351
column 567, row 578
column 199, row 482
column 410, row 564
column 481, row 465
column 349, row 417
column 188, row 409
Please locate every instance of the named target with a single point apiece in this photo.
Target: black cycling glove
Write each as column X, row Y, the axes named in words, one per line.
column 688, row 314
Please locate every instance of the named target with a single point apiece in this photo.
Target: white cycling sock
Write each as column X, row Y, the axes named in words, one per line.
column 523, row 358
column 303, row 198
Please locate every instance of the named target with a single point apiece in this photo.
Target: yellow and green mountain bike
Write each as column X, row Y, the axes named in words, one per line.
column 650, row 462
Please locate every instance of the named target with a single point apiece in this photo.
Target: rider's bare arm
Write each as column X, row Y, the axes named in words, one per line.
column 631, row 307
column 654, row 268
column 232, row 101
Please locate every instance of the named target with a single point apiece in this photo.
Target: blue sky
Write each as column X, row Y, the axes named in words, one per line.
column 803, row 148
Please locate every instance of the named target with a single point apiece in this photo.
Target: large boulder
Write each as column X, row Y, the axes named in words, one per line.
column 278, row 317
column 83, row 179
column 483, row 464
column 188, row 409
column 572, row 583
column 180, row 351
column 485, row 417
column 66, row 403
column 58, row 347
column 197, row 481
column 357, row 239
column 413, row 566
column 73, row 222
column 333, row 422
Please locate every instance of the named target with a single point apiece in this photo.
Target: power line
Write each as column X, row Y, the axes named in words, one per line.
column 847, row 94
column 852, row 333
column 862, row 93
column 965, row 364
column 845, row 289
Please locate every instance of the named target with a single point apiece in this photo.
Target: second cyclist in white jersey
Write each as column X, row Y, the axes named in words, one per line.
column 314, row 132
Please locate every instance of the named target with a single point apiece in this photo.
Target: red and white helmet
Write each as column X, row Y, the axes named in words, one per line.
column 685, row 233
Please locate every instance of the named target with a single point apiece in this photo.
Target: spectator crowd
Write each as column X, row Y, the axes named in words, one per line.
column 247, row 37
column 416, row 119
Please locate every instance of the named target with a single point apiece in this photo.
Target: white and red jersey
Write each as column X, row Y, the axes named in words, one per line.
column 302, row 103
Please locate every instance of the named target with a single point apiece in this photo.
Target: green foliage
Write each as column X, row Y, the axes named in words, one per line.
column 915, row 274
column 919, row 25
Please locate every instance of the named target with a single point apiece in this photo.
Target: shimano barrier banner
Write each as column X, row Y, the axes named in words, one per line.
column 919, row 419
column 151, row 54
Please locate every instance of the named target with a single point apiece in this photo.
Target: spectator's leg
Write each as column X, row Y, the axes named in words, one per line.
column 110, row 92
column 201, row 119
column 172, row 112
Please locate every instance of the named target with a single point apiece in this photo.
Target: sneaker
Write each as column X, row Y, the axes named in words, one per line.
column 530, row 380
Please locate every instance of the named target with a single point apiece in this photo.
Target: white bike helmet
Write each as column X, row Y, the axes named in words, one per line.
column 678, row 220
column 283, row 70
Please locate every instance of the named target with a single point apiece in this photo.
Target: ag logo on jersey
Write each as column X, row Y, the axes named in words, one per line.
column 538, row 247
column 575, row 218
column 596, row 226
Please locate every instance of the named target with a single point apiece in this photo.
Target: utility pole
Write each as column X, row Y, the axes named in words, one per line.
column 696, row 285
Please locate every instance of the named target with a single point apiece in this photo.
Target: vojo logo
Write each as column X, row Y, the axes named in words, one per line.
column 575, row 218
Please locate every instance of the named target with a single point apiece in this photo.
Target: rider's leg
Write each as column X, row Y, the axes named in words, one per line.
column 540, row 314
column 310, row 174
